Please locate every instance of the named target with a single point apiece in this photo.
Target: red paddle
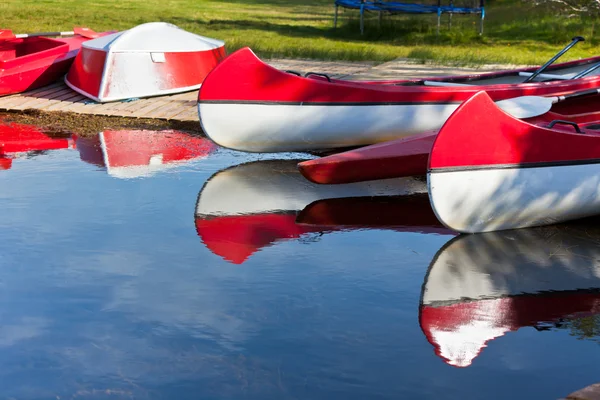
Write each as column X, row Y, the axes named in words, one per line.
column 7, row 34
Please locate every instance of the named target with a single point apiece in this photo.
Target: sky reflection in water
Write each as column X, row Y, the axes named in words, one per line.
column 153, row 265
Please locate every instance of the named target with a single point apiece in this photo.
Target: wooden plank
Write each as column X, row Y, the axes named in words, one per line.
column 18, row 101
column 167, row 109
column 181, row 110
column 68, row 103
column 50, row 92
column 43, row 88
column 158, row 112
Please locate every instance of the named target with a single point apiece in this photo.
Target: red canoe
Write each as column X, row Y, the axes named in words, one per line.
column 481, row 287
column 409, row 156
column 247, row 105
column 489, row 171
column 32, row 62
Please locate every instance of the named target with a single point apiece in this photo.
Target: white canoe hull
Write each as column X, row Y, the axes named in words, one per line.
column 481, row 200
column 285, row 127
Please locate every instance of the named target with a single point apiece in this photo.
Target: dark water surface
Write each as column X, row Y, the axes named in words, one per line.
column 144, row 265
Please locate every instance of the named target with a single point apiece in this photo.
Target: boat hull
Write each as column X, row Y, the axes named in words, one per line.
column 394, row 159
column 244, row 104
column 126, row 67
column 516, row 175
column 284, row 127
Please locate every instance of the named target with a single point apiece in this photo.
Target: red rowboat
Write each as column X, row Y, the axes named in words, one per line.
column 480, row 287
column 489, row 171
column 31, row 62
column 409, row 156
column 245, row 208
column 247, row 105
column 151, row 59
column 134, row 154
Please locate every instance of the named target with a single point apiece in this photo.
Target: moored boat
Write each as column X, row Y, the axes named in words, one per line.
column 245, row 208
column 31, row 62
column 151, row 59
column 409, row 156
column 247, row 105
column 489, row 171
column 481, row 287
column 142, row 153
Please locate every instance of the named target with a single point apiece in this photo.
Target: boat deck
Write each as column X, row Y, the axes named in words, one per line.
column 178, row 107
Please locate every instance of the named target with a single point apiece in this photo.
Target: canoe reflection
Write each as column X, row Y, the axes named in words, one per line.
column 19, row 141
column 142, row 153
column 479, row 287
column 245, row 208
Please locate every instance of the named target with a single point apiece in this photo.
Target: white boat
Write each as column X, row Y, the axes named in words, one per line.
column 151, row 59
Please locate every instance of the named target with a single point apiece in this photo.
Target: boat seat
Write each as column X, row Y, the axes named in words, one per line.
column 548, row 76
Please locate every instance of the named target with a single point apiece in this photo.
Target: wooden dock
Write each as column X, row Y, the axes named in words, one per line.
column 178, row 107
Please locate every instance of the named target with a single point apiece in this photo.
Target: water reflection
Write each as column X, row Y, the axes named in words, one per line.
column 141, row 153
column 24, row 141
column 245, row 208
column 479, row 287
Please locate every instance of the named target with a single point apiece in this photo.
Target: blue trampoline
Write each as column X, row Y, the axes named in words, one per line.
column 395, row 7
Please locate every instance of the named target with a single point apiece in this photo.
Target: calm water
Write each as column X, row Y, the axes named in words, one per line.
column 144, row 265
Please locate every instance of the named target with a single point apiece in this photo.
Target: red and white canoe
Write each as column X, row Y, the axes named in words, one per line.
column 135, row 154
column 31, row 62
column 247, row 105
column 489, row 171
column 151, row 59
column 480, row 287
column 409, row 156
column 245, row 208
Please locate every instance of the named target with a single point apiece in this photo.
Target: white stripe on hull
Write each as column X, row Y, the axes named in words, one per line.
column 279, row 127
column 496, row 199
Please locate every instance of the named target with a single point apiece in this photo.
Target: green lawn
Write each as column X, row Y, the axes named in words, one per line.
column 515, row 31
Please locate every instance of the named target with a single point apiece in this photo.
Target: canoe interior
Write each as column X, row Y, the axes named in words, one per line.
column 510, row 77
column 18, row 51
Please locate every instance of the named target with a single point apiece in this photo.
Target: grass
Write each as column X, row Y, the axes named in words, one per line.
column 515, row 31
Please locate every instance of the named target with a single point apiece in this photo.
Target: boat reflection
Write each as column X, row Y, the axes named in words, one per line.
column 245, row 208
column 21, row 141
column 141, row 153
column 479, row 287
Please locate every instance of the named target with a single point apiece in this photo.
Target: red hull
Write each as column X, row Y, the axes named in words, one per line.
column 30, row 63
column 501, row 139
column 408, row 157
